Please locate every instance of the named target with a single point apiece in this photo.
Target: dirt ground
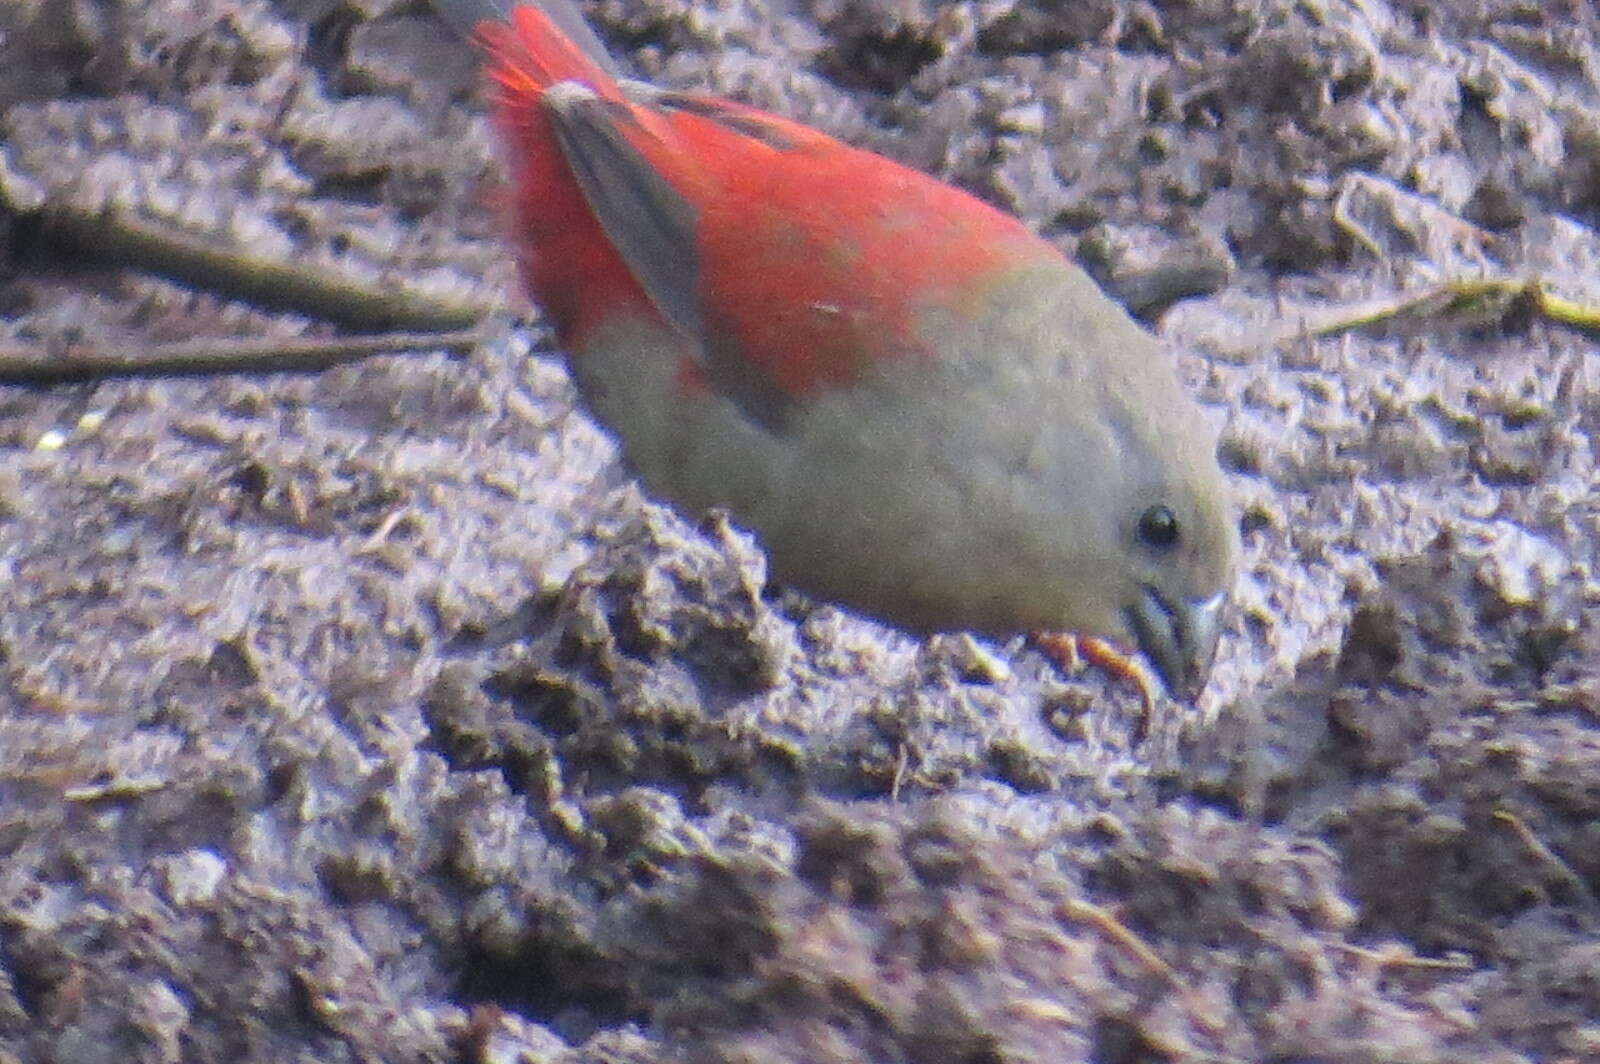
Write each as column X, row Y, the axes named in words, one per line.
column 375, row 715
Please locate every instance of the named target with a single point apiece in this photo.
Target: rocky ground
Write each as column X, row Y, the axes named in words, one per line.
column 375, row 715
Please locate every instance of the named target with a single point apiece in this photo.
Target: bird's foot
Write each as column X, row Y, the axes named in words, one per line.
column 1072, row 652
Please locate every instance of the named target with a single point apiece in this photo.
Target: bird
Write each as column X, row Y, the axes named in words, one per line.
column 925, row 412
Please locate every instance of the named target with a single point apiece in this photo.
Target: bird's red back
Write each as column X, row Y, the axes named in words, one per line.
column 809, row 253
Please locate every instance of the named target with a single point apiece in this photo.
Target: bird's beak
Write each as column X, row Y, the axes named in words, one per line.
column 1179, row 638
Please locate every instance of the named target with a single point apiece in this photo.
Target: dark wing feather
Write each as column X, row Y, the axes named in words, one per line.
column 649, row 223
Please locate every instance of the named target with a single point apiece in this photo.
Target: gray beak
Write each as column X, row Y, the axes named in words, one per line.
column 1180, row 639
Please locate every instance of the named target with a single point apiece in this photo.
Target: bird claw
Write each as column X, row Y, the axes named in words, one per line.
column 1071, row 653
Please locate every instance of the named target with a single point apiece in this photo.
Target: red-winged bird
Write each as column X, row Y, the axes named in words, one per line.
column 924, row 411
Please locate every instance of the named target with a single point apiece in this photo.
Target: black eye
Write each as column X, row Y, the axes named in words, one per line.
column 1158, row 527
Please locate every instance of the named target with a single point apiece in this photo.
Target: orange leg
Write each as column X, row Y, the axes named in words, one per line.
column 1072, row 652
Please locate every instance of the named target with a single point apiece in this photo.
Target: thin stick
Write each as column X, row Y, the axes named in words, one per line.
column 1126, row 939
column 1471, row 303
column 1563, row 871
column 37, row 367
column 111, row 237
column 1398, row 956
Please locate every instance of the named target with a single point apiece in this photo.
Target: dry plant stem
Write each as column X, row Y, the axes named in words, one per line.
column 110, row 237
column 1584, row 319
column 1400, row 957
column 1113, row 929
column 1471, row 304
column 1552, row 860
column 39, row 367
column 1127, row 940
column 902, row 756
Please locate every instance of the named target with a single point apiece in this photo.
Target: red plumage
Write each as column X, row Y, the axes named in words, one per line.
column 813, row 256
column 923, row 410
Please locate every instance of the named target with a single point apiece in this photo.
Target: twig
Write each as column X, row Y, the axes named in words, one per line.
column 1400, row 957
column 1564, row 872
column 1576, row 316
column 902, row 757
column 1126, row 939
column 1470, row 304
column 116, row 238
column 39, row 367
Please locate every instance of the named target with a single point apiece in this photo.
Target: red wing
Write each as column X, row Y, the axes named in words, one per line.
column 788, row 261
column 817, row 258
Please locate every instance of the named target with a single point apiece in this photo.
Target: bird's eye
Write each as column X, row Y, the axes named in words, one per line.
column 1158, row 527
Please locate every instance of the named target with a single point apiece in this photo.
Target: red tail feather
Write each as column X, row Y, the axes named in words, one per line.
column 531, row 53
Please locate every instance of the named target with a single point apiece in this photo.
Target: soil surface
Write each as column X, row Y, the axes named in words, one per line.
column 376, row 715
